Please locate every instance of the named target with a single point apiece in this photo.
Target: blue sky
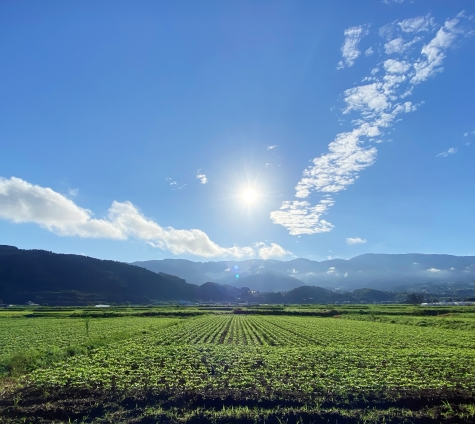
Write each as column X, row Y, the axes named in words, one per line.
column 131, row 130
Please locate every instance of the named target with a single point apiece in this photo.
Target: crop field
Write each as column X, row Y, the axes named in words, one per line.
column 226, row 367
column 45, row 333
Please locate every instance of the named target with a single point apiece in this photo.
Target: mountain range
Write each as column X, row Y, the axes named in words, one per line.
column 50, row 278
column 395, row 272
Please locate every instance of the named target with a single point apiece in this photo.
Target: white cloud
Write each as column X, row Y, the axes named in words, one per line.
column 418, row 24
column 332, row 270
column 202, row 177
column 366, row 98
column 24, row 202
column 393, row 66
column 302, row 218
column 369, row 51
column 399, row 46
column 73, row 191
column 274, row 250
column 378, row 102
column 451, row 151
column 433, row 270
column 355, row 240
column 337, row 169
column 434, row 51
column 392, row 1
column 395, row 46
column 349, row 50
column 271, row 147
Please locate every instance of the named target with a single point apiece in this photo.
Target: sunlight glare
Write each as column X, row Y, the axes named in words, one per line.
column 249, row 195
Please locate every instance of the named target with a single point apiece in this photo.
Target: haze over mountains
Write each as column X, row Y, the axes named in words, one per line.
column 377, row 271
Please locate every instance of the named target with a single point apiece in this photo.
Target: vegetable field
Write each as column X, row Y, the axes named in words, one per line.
column 225, row 367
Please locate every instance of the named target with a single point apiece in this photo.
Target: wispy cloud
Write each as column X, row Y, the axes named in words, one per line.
column 73, row 191
column 449, row 152
column 174, row 185
column 202, row 177
column 24, row 202
column 466, row 134
column 399, row 46
column 349, row 49
column 355, row 240
column 378, row 103
column 271, row 147
column 418, row 24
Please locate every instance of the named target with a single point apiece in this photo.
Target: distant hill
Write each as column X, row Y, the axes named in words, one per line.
column 385, row 272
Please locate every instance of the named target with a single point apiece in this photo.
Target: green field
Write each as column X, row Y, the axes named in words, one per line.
column 371, row 364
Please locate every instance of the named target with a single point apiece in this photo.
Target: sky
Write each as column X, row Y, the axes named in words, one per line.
column 226, row 130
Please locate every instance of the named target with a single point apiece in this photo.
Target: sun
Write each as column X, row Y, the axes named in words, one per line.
column 249, row 195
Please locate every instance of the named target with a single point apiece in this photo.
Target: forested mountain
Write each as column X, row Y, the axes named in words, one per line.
column 51, row 278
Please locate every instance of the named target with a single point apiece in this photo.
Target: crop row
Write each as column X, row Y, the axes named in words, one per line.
column 305, row 331
column 329, row 332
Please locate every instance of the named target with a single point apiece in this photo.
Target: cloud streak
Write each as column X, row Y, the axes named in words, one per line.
column 449, row 152
column 355, row 240
column 23, row 202
column 377, row 103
